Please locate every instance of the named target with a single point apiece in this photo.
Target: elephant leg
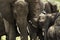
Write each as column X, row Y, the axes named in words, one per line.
column 33, row 36
column 12, row 34
column 8, row 15
column 32, row 32
column 10, row 30
column 39, row 33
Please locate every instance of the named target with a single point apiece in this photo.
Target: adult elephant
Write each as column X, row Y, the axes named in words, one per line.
column 45, row 21
column 20, row 10
column 6, row 9
column 54, row 31
column 52, row 14
column 35, row 26
column 35, row 7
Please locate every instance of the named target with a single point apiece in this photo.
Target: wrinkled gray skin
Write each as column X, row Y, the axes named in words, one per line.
column 54, row 31
column 20, row 9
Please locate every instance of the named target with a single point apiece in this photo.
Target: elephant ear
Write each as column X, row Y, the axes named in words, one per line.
column 48, row 7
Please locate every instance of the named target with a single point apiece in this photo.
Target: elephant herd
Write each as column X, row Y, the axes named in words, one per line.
column 38, row 20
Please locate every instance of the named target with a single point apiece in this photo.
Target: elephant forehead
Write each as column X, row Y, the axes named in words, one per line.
column 21, row 8
column 20, row 3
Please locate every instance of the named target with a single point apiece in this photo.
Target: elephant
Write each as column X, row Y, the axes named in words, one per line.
column 2, row 28
column 52, row 15
column 45, row 21
column 35, row 26
column 35, row 7
column 7, row 9
column 50, row 19
column 54, row 31
column 53, row 11
column 20, row 10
